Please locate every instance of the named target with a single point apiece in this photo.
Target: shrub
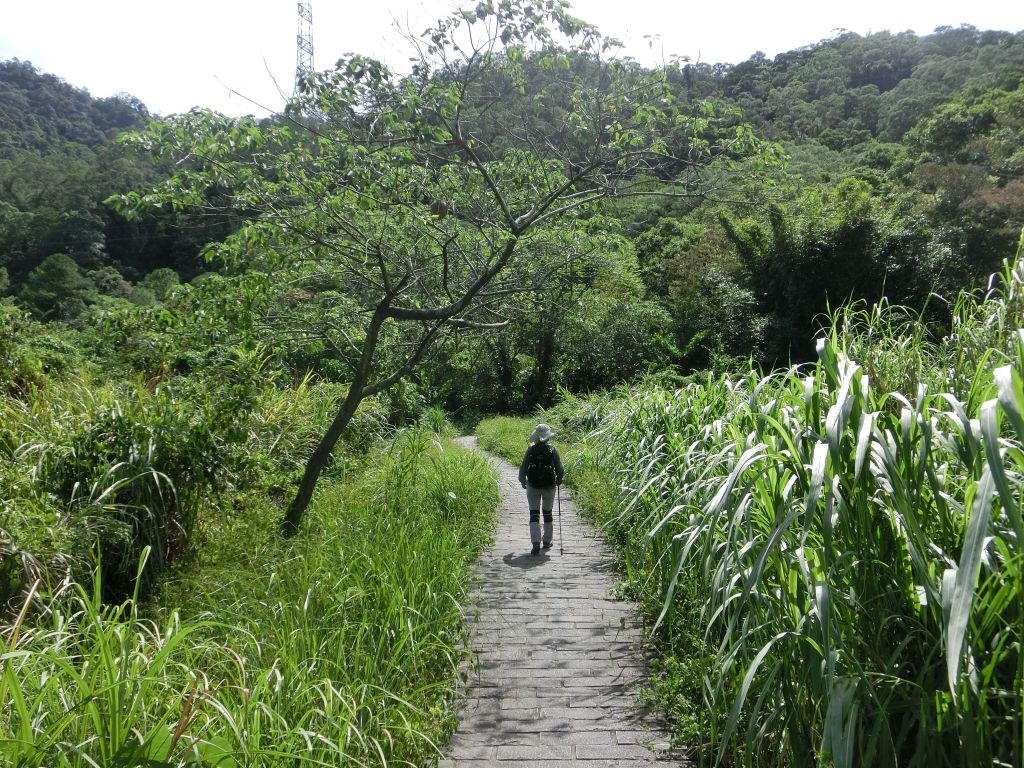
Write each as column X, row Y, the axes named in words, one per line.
column 129, row 469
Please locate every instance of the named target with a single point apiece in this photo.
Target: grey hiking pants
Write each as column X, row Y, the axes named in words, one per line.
column 538, row 499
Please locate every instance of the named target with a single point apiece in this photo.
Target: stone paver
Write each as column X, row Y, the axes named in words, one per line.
column 558, row 661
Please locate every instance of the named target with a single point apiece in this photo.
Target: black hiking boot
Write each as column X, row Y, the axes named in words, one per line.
column 547, row 545
column 536, row 549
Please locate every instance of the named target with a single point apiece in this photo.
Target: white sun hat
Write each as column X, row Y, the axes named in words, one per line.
column 542, row 433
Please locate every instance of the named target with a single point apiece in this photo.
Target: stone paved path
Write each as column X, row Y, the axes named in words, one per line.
column 558, row 660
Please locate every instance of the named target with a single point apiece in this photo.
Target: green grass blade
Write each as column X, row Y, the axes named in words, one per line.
column 980, row 505
column 994, row 457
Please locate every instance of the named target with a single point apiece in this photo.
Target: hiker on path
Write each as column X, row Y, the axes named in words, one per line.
column 540, row 472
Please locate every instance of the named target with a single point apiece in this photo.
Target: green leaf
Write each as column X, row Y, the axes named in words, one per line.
column 818, row 465
column 994, row 457
column 867, row 423
column 1011, row 397
column 215, row 753
column 741, row 696
column 980, row 504
column 838, row 739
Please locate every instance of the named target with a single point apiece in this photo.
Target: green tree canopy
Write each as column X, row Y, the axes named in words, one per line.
column 387, row 192
column 828, row 247
column 57, row 289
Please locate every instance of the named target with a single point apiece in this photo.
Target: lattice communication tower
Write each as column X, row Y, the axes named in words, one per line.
column 304, row 42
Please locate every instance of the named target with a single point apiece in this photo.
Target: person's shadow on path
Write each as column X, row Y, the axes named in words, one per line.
column 525, row 561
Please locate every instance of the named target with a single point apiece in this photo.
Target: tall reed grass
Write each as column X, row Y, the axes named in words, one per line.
column 337, row 648
column 847, row 555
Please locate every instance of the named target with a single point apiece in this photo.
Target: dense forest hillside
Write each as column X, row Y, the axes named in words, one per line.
column 41, row 112
column 902, row 176
column 61, row 246
column 851, row 88
column 903, row 169
column 931, row 124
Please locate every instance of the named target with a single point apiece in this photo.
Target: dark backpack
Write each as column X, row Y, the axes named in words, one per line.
column 540, row 467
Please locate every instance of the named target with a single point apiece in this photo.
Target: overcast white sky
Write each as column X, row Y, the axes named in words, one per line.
column 176, row 54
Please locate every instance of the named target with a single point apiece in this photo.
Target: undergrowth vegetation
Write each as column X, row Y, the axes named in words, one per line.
column 831, row 555
column 100, row 463
column 338, row 647
column 151, row 613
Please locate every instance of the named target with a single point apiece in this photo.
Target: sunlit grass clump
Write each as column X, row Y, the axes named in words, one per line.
column 835, row 566
column 337, row 648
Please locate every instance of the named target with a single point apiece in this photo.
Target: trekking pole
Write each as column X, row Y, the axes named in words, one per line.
column 561, row 541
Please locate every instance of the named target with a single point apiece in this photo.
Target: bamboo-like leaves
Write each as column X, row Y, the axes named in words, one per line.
column 980, row 506
column 839, row 740
column 1011, row 399
column 851, row 557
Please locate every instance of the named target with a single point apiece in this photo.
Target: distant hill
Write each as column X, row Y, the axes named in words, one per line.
column 850, row 88
column 58, row 163
column 40, row 112
column 924, row 132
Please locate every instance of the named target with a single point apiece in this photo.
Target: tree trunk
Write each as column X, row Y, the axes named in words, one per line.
column 357, row 390
column 540, row 377
column 316, row 462
column 506, row 374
